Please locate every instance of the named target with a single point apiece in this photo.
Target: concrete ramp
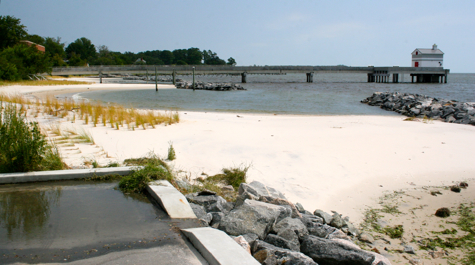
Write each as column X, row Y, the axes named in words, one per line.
column 170, row 199
column 217, row 247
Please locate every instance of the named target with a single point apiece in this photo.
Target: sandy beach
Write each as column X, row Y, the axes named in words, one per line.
column 339, row 163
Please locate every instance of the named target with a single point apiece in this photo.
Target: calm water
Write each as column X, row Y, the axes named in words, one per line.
column 330, row 94
column 71, row 220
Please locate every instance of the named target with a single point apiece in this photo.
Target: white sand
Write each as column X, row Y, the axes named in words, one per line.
column 339, row 163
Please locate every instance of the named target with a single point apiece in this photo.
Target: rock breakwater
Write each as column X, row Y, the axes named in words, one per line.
column 276, row 231
column 210, row 86
column 421, row 106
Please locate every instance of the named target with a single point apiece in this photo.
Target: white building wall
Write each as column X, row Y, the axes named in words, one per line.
column 427, row 62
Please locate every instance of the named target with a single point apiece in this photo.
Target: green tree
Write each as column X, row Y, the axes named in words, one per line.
column 194, row 56
column 82, row 47
column 75, row 60
column 11, row 31
column 54, row 46
column 36, row 39
column 211, row 58
column 179, row 55
column 231, row 61
column 167, row 57
column 55, row 50
column 26, row 60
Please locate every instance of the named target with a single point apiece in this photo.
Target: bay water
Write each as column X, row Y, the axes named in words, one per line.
column 329, row 94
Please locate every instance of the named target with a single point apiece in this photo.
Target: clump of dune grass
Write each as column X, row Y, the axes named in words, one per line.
column 171, row 152
column 153, row 169
column 94, row 112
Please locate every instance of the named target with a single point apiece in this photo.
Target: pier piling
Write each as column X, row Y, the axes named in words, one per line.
column 243, row 77
column 156, row 79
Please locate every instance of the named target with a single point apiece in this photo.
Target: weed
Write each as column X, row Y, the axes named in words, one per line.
column 113, row 164
column 171, row 152
column 394, row 232
column 413, row 118
column 390, row 209
column 154, row 169
column 85, row 136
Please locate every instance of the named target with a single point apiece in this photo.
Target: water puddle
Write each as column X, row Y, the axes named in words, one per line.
column 71, row 220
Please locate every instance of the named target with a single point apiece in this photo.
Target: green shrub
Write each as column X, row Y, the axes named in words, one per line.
column 231, row 176
column 171, row 152
column 154, row 169
column 22, row 146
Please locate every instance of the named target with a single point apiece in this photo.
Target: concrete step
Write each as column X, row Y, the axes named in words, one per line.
column 217, row 247
column 10, row 178
column 170, row 199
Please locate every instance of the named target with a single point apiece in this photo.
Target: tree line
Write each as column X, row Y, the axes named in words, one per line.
column 19, row 61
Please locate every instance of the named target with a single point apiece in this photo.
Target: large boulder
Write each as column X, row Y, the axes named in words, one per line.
column 268, row 254
column 201, row 213
column 338, row 252
column 211, row 203
column 287, row 233
column 253, row 217
column 292, row 224
column 326, row 231
column 280, row 201
column 278, row 241
column 256, row 189
column 326, row 216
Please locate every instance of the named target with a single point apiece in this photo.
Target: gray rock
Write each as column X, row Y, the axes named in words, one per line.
column 211, row 203
column 292, row 224
column 326, row 251
column 310, row 220
column 201, row 213
column 281, row 242
column 299, row 207
column 352, row 230
column 217, row 217
column 253, row 217
column 326, row 217
column 258, row 189
column 337, row 221
column 268, row 254
column 250, row 238
column 365, row 237
column 183, row 184
column 409, row 249
column 279, row 201
column 326, row 231
column 228, row 188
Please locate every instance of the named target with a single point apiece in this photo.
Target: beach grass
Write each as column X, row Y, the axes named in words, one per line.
column 112, row 115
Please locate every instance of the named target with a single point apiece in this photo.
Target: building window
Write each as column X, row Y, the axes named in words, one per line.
column 416, row 64
column 417, row 53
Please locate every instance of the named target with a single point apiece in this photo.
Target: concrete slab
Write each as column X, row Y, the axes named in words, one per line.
column 217, row 247
column 10, row 178
column 170, row 199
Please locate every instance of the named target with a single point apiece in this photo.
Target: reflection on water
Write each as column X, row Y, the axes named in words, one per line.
column 25, row 213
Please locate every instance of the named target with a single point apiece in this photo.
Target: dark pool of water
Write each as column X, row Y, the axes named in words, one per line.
column 71, row 220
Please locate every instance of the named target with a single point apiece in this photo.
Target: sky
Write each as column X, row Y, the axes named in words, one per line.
column 265, row 32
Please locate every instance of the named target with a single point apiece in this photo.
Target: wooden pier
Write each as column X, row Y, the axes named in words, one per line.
column 375, row 74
